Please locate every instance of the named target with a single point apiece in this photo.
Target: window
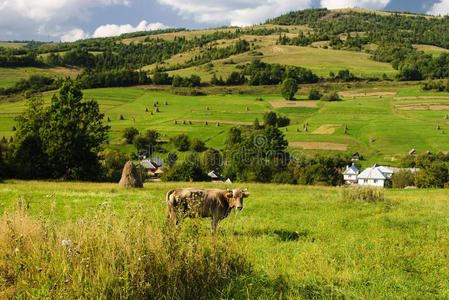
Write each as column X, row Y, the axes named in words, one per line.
column 375, row 180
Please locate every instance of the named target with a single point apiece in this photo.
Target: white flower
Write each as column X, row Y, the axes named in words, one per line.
column 66, row 243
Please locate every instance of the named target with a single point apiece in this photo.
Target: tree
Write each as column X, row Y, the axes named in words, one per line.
column 141, row 142
column 152, row 136
column 270, row 119
column 234, row 136
column 129, row 134
column 72, row 134
column 402, row 179
column 289, row 88
column 212, row 160
column 197, row 145
column 181, row 142
column 112, row 162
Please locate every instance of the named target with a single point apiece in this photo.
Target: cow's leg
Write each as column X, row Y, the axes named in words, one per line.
column 172, row 216
column 213, row 224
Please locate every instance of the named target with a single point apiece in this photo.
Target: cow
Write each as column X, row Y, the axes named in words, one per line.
column 203, row 203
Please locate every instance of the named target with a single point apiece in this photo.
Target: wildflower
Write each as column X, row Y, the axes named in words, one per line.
column 66, row 243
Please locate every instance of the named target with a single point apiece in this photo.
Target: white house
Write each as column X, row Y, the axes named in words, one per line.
column 351, row 173
column 375, row 176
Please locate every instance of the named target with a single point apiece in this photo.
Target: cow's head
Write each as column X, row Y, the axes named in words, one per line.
column 235, row 198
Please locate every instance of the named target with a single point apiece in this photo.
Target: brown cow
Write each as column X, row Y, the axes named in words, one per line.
column 203, row 203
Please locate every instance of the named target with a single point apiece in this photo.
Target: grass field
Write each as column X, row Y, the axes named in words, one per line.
column 9, row 76
column 300, row 241
column 378, row 128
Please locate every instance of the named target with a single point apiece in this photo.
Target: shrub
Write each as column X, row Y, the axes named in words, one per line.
column 332, row 96
column 363, row 194
column 314, row 94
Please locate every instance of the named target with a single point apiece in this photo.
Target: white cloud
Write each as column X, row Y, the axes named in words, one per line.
column 113, row 29
column 234, row 12
column 74, row 35
column 440, row 8
column 28, row 18
column 369, row 4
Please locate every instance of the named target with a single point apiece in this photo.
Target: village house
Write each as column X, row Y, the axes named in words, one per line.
column 214, row 176
column 152, row 166
column 351, row 173
column 375, row 176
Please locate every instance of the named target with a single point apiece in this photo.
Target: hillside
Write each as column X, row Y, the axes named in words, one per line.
column 379, row 50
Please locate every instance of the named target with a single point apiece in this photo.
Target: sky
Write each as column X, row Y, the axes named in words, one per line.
column 70, row 20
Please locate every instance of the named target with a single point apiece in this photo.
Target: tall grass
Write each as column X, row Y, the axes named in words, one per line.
column 103, row 256
column 366, row 194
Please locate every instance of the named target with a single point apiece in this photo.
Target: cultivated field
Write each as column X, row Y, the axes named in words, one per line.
column 383, row 125
column 289, row 241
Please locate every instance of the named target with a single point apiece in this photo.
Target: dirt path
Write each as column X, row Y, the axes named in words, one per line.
column 280, row 104
column 372, row 94
column 213, row 122
column 319, row 146
column 420, row 97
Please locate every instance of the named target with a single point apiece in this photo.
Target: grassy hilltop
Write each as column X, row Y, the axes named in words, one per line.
column 288, row 242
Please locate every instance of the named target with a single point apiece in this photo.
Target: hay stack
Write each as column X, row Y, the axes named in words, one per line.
column 207, row 107
column 151, row 113
column 146, row 109
column 183, row 122
column 190, row 122
column 130, row 178
column 3, row 140
column 218, row 124
column 438, row 127
column 297, row 129
column 10, row 140
column 165, row 102
column 120, row 117
column 175, row 122
column 205, row 123
column 247, row 108
column 109, row 119
column 285, row 129
column 156, row 110
column 305, row 129
column 13, row 128
column 446, row 117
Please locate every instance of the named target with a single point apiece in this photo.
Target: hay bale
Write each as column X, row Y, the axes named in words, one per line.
column 446, row 117
column 109, row 119
column 146, row 109
column 10, row 140
column 151, row 113
column 156, row 110
column 380, row 97
column 175, row 122
column 205, row 123
column 13, row 128
column 218, row 124
column 157, row 102
column 305, row 129
column 207, row 107
column 183, row 122
column 297, row 129
column 190, row 122
column 285, row 129
column 130, row 178
column 247, row 108
column 154, row 104
column 120, row 117
column 165, row 102
column 438, row 127
column 3, row 140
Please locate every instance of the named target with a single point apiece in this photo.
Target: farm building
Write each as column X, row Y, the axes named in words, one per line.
column 214, row 176
column 351, row 173
column 153, row 166
column 375, row 176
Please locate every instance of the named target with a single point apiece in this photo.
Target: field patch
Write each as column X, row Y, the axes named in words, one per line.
column 213, row 122
column 326, row 129
column 372, row 94
column 420, row 97
column 280, row 104
column 319, row 146
column 423, row 106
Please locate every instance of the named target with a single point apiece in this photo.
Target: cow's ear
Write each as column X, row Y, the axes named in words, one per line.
column 246, row 195
column 229, row 195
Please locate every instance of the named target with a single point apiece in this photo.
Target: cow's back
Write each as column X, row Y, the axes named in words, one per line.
column 196, row 201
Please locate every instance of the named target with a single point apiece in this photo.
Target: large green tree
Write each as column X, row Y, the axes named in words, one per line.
column 62, row 140
column 289, row 88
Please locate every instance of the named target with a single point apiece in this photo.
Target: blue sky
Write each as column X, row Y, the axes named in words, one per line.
column 69, row 20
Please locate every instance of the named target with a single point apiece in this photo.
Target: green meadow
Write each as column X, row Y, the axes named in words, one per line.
column 297, row 241
column 382, row 129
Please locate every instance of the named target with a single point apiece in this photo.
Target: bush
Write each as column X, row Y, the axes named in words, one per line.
column 332, row 96
column 187, row 171
column 363, row 194
column 314, row 94
column 129, row 134
column 181, row 142
column 112, row 162
column 402, row 179
column 284, row 177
